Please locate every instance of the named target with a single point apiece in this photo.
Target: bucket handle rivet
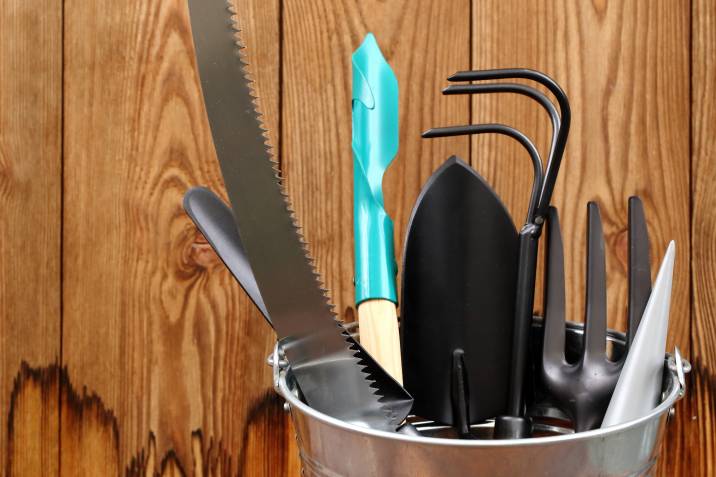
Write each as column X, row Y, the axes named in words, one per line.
column 278, row 362
column 680, row 366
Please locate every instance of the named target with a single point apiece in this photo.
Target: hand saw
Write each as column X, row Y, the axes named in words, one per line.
column 334, row 377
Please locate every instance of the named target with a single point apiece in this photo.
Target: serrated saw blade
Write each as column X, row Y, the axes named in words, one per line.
column 334, row 377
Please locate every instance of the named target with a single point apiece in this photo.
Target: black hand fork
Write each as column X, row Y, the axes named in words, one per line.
column 514, row 424
column 583, row 389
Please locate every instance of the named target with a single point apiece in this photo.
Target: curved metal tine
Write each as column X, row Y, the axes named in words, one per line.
column 506, row 131
column 554, row 294
column 565, row 111
column 522, row 89
column 595, row 320
column 639, row 267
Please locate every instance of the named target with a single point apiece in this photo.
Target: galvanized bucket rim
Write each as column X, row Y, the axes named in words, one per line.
column 675, row 392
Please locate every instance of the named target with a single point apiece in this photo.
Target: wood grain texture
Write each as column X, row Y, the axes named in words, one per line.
column 617, row 63
column 160, row 368
column 33, row 418
column 701, row 421
column 30, row 204
column 153, row 323
column 625, row 67
column 319, row 39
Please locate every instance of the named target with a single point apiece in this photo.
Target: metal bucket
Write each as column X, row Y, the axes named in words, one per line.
column 329, row 447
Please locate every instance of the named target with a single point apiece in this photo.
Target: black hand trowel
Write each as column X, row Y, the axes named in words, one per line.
column 456, row 331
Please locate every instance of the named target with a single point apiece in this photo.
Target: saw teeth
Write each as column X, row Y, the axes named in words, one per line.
column 357, row 354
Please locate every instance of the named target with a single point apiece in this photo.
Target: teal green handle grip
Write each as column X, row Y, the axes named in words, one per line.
column 375, row 144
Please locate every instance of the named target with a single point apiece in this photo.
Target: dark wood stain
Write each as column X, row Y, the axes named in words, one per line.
column 32, row 421
column 89, row 435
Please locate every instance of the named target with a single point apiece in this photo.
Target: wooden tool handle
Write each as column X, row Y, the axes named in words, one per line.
column 378, row 321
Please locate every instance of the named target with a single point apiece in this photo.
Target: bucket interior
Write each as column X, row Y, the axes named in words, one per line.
column 547, row 417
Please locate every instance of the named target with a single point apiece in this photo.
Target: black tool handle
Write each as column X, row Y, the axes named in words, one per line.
column 523, row 316
column 460, row 394
column 514, row 425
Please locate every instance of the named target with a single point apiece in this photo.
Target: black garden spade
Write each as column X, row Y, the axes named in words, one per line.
column 461, row 246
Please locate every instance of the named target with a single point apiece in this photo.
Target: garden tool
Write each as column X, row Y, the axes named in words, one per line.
column 638, row 389
column 639, row 272
column 216, row 222
column 375, row 144
column 459, row 273
column 513, row 424
column 583, row 389
column 326, row 365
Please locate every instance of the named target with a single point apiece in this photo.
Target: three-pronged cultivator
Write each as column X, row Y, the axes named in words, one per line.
column 583, row 388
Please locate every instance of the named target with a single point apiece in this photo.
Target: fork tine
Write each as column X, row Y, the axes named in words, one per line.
column 639, row 267
column 554, row 301
column 595, row 321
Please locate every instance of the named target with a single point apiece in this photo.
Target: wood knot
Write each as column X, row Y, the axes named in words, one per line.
column 200, row 253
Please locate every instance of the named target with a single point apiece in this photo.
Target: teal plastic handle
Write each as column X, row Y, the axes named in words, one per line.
column 375, row 144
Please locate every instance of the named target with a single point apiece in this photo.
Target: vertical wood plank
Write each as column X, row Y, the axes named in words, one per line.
column 33, row 419
column 424, row 42
column 30, row 204
column 153, row 323
column 701, row 428
column 618, row 63
column 625, row 67
column 152, row 320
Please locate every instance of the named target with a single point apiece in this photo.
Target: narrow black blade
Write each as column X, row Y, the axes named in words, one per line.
column 639, row 266
column 595, row 321
column 554, row 294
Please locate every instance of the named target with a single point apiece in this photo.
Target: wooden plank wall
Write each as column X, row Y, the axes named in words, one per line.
column 618, row 62
column 142, row 355
column 701, row 428
column 163, row 334
column 30, row 226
